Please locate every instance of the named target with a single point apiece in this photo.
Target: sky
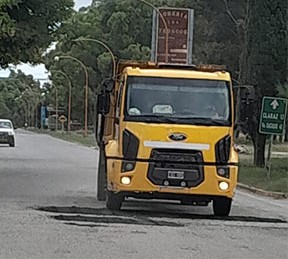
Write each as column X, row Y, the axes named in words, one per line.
column 80, row 3
column 39, row 72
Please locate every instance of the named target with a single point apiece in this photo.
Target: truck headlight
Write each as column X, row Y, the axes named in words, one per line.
column 223, row 186
column 125, row 180
column 10, row 133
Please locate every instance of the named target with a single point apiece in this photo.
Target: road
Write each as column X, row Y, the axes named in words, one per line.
column 48, row 209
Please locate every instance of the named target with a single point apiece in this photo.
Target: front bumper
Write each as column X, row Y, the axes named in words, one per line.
column 6, row 139
column 140, row 182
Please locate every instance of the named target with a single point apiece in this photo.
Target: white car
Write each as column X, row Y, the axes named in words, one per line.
column 7, row 134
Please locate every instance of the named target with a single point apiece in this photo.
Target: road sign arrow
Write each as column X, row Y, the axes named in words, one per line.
column 274, row 104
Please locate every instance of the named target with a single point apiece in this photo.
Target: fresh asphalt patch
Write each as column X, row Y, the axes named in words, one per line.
column 85, row 216
column 115, row 220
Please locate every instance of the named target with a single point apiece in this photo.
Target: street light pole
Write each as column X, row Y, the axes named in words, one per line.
column 56, row 97
column 165, row 25
column 57, row 58
column 69, row 97
column 114, row 67
column 29, row 117
column 106, row 47
column 26, row 118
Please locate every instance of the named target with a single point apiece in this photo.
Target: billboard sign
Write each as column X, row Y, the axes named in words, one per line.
column 173, row 46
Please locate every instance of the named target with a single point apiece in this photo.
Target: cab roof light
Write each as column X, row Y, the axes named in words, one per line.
column 211, row 68
column 152, row 65
column 135, row 64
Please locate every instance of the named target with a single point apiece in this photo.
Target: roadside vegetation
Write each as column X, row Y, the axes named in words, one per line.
column 74, row 136
column 258, row 178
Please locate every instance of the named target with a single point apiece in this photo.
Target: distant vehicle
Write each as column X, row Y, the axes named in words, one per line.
column 52, row 122
column 7, row 134
column 52, row 119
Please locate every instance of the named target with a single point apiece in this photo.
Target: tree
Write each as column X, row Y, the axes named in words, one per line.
column 283, row 93
column 19, row 97
column 28, row 27
column 100, row 22
column 265, row 62
column 125, row 26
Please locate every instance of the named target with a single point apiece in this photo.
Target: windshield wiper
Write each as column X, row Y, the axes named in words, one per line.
column 176, row 119
column 201, row 120
column 210, row 121
column 161, row 117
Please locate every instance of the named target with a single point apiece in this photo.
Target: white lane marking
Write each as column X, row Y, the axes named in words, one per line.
column 176, row 145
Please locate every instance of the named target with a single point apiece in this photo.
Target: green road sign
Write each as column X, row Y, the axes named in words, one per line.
column 273, row 115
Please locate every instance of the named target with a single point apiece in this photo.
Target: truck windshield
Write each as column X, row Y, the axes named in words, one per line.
column 184, row 101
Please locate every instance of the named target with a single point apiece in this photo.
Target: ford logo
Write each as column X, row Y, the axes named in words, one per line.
column 177, row 136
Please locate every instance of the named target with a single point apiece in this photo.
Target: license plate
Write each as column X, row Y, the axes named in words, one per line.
column 175, row 175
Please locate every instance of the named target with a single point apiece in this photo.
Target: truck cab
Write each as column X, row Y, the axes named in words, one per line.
column 166, row 132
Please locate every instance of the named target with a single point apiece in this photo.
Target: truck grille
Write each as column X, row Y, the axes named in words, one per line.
column 176, row 168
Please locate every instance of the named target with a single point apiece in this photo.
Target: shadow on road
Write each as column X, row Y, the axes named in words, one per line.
column 136, row 216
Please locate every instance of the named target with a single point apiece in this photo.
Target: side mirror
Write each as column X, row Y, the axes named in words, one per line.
column 103, row 104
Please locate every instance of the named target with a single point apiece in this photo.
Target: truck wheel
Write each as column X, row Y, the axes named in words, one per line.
column 114, row 201
column 222, row 206
column 102, row 177
column 12, row 143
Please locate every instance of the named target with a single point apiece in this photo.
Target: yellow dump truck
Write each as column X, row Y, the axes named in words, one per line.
column 166, row 132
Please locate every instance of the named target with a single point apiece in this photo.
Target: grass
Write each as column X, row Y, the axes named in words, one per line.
column 74, row 136
column 276, row 147
column 280, row 147
column 88, row 141
column 257, row 177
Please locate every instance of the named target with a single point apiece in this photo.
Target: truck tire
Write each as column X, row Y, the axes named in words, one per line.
column 12, row 143
column 222, row 206
column 114, row 201
column 102, row 176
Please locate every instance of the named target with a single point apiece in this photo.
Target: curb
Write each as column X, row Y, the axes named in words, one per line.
column 275, row 195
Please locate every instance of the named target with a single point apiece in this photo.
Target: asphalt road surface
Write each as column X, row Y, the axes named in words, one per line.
column 48, row 209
